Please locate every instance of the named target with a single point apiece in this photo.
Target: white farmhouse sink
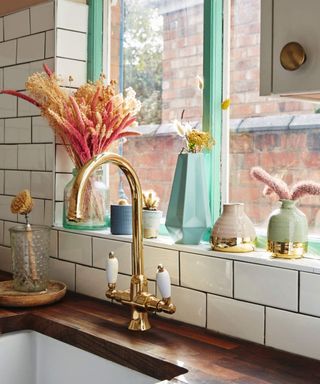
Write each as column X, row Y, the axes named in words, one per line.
column 28, row 357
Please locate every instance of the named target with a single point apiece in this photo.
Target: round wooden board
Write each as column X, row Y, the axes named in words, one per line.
column 11, row 298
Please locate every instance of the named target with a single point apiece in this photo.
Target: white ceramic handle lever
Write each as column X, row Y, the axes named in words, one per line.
column 112, row 267
column 163, row 282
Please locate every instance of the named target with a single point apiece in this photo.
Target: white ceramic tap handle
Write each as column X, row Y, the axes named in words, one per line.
column 112, row 267
column 163, row 282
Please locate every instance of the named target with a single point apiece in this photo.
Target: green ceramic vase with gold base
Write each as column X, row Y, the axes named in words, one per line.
column 288, row 231
column 188, row 215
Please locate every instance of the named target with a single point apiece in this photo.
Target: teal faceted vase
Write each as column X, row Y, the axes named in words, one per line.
column 288, row 231
column 188, row 215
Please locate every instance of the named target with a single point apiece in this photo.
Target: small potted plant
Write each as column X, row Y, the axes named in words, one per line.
column 151, row 216
column 121, row 218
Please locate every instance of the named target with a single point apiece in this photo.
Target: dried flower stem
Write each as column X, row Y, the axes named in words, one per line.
column 277, row 185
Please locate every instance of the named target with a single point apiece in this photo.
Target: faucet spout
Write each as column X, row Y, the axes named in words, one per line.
column 137, row 296
column 77, row 195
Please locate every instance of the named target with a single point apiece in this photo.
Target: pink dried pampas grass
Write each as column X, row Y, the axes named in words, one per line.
column 278, row 186
column 305, row 188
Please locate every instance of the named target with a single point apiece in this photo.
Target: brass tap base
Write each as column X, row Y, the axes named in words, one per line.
column 139, row 321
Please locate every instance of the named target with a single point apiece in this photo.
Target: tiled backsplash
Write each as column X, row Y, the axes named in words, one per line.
column 250, row 296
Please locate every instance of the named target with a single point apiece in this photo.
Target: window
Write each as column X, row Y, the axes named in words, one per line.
column 280, row 135
column 157, row 49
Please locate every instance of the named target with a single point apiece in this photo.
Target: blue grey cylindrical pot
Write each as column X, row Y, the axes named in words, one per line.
column 121, row 220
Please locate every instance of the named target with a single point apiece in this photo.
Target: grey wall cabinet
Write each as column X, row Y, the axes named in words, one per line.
column 283, row 22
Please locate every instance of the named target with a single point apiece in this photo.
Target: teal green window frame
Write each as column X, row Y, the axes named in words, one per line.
column 212, row 91
column 212, row 97
column 95, row 39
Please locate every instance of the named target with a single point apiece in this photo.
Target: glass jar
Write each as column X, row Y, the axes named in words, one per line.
column 95, row 205
column 30, row 247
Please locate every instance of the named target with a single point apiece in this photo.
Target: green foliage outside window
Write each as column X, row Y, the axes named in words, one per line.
column 143, row 47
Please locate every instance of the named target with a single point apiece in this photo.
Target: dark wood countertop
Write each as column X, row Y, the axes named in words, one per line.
column 170, row 349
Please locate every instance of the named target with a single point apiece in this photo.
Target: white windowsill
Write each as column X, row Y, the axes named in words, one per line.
column 309, row 263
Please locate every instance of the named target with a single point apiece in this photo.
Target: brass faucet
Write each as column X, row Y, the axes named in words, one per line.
column 137, row 297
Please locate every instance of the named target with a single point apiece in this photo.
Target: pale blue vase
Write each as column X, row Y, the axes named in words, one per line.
column 188, row 215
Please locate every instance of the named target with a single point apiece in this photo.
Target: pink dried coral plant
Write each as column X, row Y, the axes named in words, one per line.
column 281, row 189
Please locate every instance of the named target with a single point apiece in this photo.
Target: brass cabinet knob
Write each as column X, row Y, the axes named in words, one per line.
column 292, row 56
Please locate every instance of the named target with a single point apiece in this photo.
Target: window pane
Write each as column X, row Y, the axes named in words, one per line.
column 157, row 50
column 280, row 135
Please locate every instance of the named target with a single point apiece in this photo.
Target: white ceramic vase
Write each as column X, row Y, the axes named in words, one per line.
column 233, row 231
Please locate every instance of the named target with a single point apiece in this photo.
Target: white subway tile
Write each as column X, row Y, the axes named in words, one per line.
column 48, row 212
column 37, row 214
column 8, row 53
column 54, row 243
column 27, row 109
column 62, row 271
column 62, row 179
column 41, row 131
column 16, row 25
column 309, row 293
column 76, row 248
column 42, row 17
column 152, row 287
column 8, row 106
column 91, row 282
column 275, row 287
column 49, row 157
column 169, row 258
column 16, row 76
column 8, row 156
column 16, row 181
column 63, row 161
column 1, row 129
column 6, row 232
column 32, row 157
column 236, row 318
column 1, row 29
column 67, row 67
column 191, row 306
column 1, row 231
column 73, row 16
column 42, row 184
column 122, row 250
column 5, row 259
column 72, row 45
column 1, row 181
column 18, row 130
column 5, row 212
column 50, row 44
column 293, row 332
column 58, row 213
column 31, row 48
column 206, row 273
